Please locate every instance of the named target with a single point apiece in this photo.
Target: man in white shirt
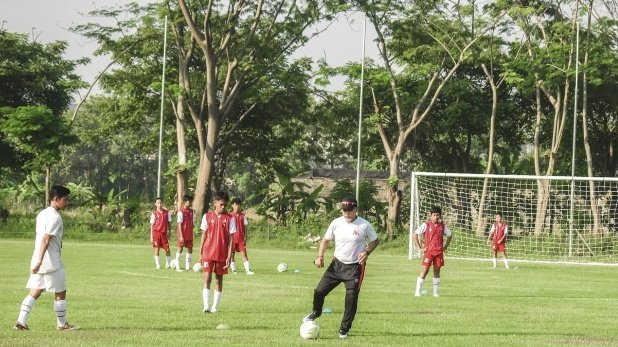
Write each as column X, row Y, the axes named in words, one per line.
column 354, row 240
column 46, row 267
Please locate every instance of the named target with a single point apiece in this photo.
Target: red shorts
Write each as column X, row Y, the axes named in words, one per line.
column 185, row 243
column 218, row 267
column 501, row 247
column 435, row 259
column 239, row 246
column 159, row 240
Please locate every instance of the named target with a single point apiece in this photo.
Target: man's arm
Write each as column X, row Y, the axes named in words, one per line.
column 448, row 241
column 42, row 250
column 319, row 261
column 362, row 257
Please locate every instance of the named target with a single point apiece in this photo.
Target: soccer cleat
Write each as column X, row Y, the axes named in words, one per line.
column 435, row 295
column 19, row 326
column 343, row 334
column 206, row 310
column 158, row 267
column 311, row 317
column 250, row 272
column 167, row 266
column 179, row 270
column 68, row 326
column 234, row 271
column 213, row 310
column 417, row 294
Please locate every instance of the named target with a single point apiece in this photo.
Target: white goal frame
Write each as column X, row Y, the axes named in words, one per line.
column 566, row 229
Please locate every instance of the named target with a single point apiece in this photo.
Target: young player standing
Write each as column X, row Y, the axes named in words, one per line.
column 433, row 232
column 240, row 237
column 185, row 232
column 160, row 220
column 46, row 267
column 498, row 231
column 216, row 243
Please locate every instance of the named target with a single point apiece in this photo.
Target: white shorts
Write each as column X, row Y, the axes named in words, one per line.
column 55, row 282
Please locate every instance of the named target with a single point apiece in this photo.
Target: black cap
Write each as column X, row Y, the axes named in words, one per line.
column 348, row 204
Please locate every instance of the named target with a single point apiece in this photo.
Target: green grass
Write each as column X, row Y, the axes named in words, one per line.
column 119, row 299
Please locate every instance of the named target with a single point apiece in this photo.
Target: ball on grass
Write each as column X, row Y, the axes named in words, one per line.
column 283, row 267
column 223, row 326
column 197, row 267
column 310, row 330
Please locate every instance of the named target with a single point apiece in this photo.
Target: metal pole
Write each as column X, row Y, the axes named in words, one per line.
column 360, row 111
column 572, row 211
column 162, row 103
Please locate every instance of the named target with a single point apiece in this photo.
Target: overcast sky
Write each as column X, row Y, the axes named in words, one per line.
column 50, row 20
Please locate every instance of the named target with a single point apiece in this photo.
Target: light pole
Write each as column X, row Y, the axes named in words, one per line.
column 360, row 110
column 162, row 104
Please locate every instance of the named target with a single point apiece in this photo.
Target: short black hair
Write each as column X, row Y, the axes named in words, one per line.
column 187, row 197
column 499, row 214
column 436, row 209
column 58, row 192
column 237, row 201
column 159, row 198
column 222, row 196
column 348, row 203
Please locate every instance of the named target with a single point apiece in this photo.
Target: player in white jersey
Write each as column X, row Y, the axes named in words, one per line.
column 354, row 240
column 46, row 267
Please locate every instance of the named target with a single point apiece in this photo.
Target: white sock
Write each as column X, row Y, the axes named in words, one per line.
column 188, row 261
column 506, row 263
column 215, row 302
column 178, row 258
column 168, row 258
column 60, row 307
column 419, row 284
column 157, row 263
column 26, row 307
column 494, row 261
column 206, row 298
column 436, row 285
column 247, row 266
column 233, row 266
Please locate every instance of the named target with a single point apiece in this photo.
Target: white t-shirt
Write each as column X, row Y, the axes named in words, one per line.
column 49, row 222
column 350, row 238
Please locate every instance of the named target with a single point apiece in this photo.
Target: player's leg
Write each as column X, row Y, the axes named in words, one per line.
column 494, row 255
column 188, row 257
column 352, row 290
column 28, row 302
column 233, row 261
column 329, row 281
column 427, row 260
column 505, row 258
column 436, row 279
column 218, row 292
column 56, row 282
column 245, row 260
column 168, row 256
column 206, row 289
column 156, row 256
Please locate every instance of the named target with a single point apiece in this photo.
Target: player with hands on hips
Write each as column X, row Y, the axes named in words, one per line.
column 497, row 238
column 434, row 231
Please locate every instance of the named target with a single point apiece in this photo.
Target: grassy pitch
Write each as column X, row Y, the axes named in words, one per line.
column 119, row 299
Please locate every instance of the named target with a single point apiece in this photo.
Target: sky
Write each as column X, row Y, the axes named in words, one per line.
column 339, row 44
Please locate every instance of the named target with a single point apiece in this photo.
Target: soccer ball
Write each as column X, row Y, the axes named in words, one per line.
column 197, row 267
column 173, row 264
column 309, row 330
column 283, row 267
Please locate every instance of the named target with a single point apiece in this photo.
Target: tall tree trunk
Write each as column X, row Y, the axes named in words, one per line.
column 47, row 184
column 181, row 173
column 596, row 227
column 480, row 226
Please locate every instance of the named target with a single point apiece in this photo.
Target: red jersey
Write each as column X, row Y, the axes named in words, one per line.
column 499, row 231
column 217, row 230
column 433, row 237
column 186, row 226
column 160, row 221
column 239, row 218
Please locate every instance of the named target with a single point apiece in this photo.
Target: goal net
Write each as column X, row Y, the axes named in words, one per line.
column 550, row 218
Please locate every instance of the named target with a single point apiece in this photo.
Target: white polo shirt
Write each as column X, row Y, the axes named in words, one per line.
column 350, row 238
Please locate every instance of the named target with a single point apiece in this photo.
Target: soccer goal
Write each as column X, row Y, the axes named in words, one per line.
column 550, row 218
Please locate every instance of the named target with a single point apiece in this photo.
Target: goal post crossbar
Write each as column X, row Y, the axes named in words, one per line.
column 550, row 218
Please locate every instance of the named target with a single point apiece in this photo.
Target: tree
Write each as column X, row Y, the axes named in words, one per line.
column 239, row 42
column 37, row 84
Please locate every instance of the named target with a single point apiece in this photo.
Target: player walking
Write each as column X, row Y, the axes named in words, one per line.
column 160, row 220
column 216, row 243
column 433, row 231
column 46, row 267
column 185, row 232
column 240, row 237
column 497, row 234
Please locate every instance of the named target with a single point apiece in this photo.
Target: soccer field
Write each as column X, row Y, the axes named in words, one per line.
column 119, row 299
